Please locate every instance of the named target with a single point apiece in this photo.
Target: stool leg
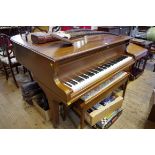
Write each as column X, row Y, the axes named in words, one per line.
column 82, row 119
column 13, row 75
column 124, row 88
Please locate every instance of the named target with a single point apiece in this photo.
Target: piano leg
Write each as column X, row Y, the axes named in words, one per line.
column 82, row 118
column 63, row 111
column 54, row 106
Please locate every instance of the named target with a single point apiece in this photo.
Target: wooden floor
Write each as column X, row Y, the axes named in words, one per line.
column 14, row 113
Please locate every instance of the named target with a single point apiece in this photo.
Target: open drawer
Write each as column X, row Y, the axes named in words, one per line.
column 97, row 115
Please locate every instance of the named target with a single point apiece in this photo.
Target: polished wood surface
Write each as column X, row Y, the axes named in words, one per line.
column 52, row 63
column 141, row 56
column 137, row 51
column 56, row 51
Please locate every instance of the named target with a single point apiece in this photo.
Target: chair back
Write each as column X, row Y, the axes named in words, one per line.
column 6, row 48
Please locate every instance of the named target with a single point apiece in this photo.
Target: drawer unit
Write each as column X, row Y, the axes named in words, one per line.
column 97, row 115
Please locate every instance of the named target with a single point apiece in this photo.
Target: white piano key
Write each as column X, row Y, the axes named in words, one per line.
column 99, row 75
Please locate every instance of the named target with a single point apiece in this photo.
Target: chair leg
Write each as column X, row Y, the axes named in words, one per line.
column 6, row 72
column 17, row 70
column 13, row 76
column 30, row 75
column 24, row 69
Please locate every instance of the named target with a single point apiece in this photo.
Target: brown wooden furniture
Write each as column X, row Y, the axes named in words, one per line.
column 149, row 45
column 7, row 57
column 141, row 56
column 120, row 30
column 53, row 63
column 81, row 107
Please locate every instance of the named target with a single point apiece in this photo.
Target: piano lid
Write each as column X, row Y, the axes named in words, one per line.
column 56, row 51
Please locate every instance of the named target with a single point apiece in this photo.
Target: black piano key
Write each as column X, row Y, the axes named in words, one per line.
column 68, row 84
column 104, row 67
column 89, row 74
column 78, row 79
column 110, row 63
column 98, row 69
column 84, row 76
column 107, row 65
column 89, row 110
column 101, row 66
column 114, row 61
column 72, row 82
column 94, row 71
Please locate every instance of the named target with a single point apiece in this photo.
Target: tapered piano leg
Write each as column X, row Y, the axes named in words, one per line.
column 54, row 106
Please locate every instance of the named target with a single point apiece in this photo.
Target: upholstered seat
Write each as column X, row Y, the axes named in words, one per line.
column 6, row 60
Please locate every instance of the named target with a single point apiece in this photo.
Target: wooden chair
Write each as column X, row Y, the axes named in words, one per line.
column 7, row 57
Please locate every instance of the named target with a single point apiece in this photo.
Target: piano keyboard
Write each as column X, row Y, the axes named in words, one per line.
column 103, row 86
column 92, row 75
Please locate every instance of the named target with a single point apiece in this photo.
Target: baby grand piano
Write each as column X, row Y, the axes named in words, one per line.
column 67, row 73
